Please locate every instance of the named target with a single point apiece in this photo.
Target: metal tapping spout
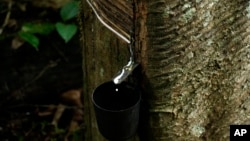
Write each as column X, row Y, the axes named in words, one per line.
column 127, row 69
column 131, row 65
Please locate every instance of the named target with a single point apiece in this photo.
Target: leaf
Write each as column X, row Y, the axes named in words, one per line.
column 48, row 111
column 72, row 97
column 58, row 114
column 66, row 31
column 69, row 10
column 40, row 28
column 17, row 42
column 30, row 38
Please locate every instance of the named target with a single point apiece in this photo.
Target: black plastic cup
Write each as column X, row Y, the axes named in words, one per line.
column 117, row 110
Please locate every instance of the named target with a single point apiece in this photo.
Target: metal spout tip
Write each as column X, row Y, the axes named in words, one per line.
column 125, row 72
column 116, row 81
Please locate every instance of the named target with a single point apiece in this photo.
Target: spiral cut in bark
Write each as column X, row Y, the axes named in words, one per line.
column 116, row 15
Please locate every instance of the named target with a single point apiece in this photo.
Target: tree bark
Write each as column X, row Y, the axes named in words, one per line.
column 195, row 65
column 103, row 56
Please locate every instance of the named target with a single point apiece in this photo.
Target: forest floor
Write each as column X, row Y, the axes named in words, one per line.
column 40, row 88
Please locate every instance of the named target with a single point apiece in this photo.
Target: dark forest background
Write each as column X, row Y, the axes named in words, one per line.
column 40, row 85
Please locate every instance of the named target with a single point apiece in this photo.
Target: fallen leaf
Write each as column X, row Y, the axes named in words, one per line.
column 59, row 111
column 48, row 111
column 17, row 42
column 12, row 23
column 22, row 6
column 72, row 97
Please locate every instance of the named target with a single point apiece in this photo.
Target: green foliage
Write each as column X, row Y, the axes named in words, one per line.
column 28, row 31
column 65, row 30
column 59, row 130
column 69, row 11
column 40, row 28
column 30, row 38
column 20, row 139
column 76, row 136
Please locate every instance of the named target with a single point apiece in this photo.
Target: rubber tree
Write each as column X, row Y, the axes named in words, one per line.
column 195, row 67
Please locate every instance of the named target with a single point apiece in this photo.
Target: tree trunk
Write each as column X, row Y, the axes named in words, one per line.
column 195, row 65
column 103, row 56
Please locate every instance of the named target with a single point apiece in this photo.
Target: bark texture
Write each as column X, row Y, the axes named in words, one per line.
column 195, row 57
column 104, row 54
column 195, row 66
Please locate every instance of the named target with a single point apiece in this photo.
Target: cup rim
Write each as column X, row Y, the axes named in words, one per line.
column 115, row 111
